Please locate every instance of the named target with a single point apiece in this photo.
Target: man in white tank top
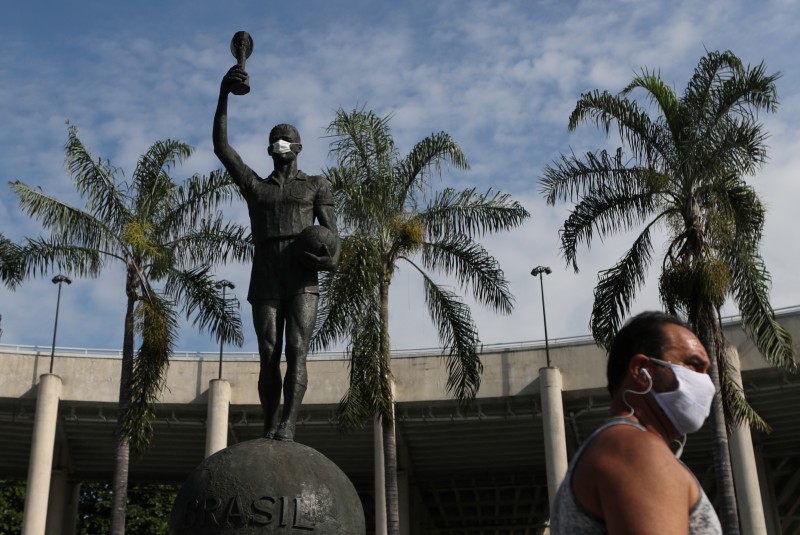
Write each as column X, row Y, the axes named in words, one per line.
column 625, row 478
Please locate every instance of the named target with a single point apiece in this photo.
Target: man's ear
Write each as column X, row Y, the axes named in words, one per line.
column 269, row 149
column 638, row 368
column 299, row 147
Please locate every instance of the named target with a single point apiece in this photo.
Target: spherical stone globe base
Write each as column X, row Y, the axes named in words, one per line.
column 266, row 486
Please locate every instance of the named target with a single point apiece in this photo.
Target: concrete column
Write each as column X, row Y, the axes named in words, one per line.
column 555, row 436
column 62, row 507
column 403, row 498
column 70, row 524
column 743, row 463
column 41, row 461
column 418, row 513
column 219, row 400
column 380, row 477
column 771, row 514
column 57, row 502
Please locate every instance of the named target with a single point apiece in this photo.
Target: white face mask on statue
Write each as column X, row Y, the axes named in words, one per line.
column 282, row 146
column 688, row 406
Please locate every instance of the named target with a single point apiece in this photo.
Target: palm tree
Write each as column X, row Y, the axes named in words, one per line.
column 388, row 215
column 9, row 274
column 160, row 233
column 683, row 173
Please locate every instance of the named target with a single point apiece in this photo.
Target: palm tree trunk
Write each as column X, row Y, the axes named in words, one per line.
column 390, row 468
column 708, row 331
column 389, row 437
column 119, row 500
column 119, row 496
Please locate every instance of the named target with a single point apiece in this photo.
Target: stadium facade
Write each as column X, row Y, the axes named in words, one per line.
column 477, row 470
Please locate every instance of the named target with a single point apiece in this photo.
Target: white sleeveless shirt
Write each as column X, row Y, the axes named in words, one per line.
column 568, row 517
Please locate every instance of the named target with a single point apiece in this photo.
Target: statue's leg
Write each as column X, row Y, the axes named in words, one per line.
column 301, row 316
column 268, row 322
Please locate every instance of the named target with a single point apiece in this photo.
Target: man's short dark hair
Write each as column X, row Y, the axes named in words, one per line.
column 643, row 333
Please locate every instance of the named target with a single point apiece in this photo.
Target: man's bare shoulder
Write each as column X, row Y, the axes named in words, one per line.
column 624, row 465
column 624, row 448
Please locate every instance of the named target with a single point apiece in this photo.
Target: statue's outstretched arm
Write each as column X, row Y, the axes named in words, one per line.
column 229, row 157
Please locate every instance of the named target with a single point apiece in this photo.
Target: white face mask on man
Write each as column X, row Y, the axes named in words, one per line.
column 688, row 406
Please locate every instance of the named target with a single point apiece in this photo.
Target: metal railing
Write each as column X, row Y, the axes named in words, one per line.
column 341, row 355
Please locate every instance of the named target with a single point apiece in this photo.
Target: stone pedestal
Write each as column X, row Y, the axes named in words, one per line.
column 266, row 486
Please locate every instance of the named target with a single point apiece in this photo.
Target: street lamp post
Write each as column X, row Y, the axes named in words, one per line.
column 551, row 391
column 58, row 279
column 540, row 271
column 223, row 284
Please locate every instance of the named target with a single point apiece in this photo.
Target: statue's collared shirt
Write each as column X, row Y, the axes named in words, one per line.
column 281, row 211
column 278, row 213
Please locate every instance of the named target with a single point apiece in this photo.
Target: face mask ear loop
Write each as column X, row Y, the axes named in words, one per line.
column 681, row 444
column 625, row 401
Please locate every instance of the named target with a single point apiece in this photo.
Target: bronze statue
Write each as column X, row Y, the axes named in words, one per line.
column 283, row 281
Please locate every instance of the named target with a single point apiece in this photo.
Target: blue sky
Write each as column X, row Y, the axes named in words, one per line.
column 500, row 77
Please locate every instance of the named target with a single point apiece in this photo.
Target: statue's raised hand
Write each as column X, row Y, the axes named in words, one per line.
column 234, row 78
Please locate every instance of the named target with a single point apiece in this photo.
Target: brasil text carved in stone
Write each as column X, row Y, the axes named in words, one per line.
column 283, row 511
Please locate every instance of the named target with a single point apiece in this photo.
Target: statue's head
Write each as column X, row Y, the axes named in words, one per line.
column 284, row 142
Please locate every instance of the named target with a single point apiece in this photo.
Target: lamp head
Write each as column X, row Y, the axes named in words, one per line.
column 538, row 270
column 61, row 278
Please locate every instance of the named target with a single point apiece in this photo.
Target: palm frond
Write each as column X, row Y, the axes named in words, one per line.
column 466, row 212
column 68, row 223
column 723, row 99
column 140, row 239
column 212, row 240
column 10, row 271
column 660, row 94
column 459, row 338
column 761, row 90
column 359, row 210
column 425, row 160
column 158, row 327
column 363, row 142
column 738, row 410
column 369, row 392
column 197, row 196
column 722, row 85
column 38, row 256
column 473, row 266
column 740, row 146
column 700, row 91
column 739, row 215
column 151, row 180
column 96, row 182
column 616, row 288
column 193, row 291
column 573, row 178
column 751, row 293
column 606, row 212
column 348, row 295
column 634, row 124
